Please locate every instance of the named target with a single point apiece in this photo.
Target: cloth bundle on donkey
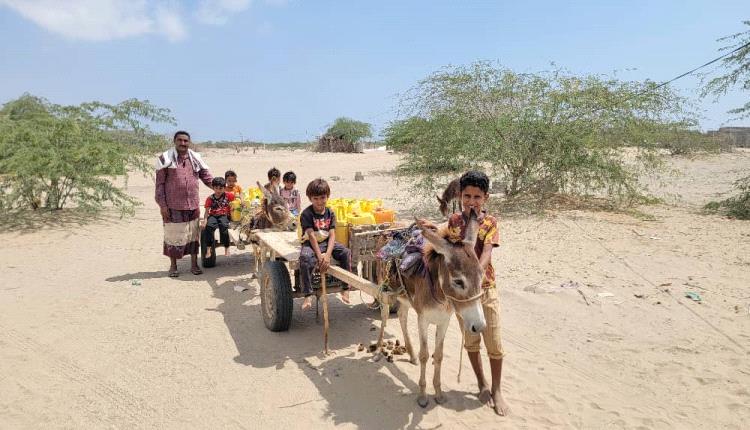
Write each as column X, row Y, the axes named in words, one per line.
column 402, row 256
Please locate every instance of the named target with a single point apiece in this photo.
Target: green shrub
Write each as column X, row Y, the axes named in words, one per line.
column 53, row 155
column 541, row 133
column 737, row 206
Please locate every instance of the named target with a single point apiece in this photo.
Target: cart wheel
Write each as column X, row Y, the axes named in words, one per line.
column 276, row 296
column 207, row 262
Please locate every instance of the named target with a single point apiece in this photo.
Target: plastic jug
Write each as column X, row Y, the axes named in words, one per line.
column 371, row 205
column 342, row 233
column 361, row 219
column 236, row 213
column 354, row 208
column 340, row 211
column 384, row 215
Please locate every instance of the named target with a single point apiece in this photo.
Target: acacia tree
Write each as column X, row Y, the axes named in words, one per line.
column 736, row 75
column 540, row 132
column 737, row 70
column 52, row 155
column 343, row 135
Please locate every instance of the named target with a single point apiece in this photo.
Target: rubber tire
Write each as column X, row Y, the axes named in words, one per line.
column 207, row 262
column 276, row 296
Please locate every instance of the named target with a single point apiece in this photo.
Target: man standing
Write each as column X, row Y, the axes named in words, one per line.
column 177, row 174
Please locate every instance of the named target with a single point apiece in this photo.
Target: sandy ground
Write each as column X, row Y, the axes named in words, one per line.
column 81, row 346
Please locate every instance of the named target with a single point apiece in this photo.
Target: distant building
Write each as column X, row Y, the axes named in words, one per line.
column 736, row 136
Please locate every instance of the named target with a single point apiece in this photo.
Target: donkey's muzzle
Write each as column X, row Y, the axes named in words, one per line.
column 473, row 318
column 478, row 327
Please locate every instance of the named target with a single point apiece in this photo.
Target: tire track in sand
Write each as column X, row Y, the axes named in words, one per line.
column 120, row 402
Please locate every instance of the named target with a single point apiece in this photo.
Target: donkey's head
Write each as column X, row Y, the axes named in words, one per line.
column 460, row 275
column 276, row 208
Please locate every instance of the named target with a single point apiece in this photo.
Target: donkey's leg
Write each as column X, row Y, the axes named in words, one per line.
column 384, row 313
column 437, row 358
column 423, row 356
column 403, row 318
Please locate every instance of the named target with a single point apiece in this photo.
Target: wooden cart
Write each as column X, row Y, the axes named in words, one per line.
column 235, row 239
column 277, row 259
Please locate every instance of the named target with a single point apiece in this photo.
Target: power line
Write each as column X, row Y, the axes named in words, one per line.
column 703, row 65
column 611, row 105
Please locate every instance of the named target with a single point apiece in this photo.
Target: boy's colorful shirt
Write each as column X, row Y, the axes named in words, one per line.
column 236, row 189
column 322, row 224
column 488, row 232
column 219, row 205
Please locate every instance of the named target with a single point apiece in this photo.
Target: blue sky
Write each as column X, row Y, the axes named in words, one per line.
column 279, row 70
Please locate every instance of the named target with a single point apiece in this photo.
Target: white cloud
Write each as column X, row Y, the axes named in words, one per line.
column 169, row 22
column 98, row 20
column 101, row 20
column 217, row 12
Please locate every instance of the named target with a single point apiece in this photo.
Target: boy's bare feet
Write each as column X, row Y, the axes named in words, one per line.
column 498, row 403
column 226, row 252
column 307, row 304
column 345, row 296
column 209, row 251
column 484, row 395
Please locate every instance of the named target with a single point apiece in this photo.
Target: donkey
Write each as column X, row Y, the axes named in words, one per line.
column 451, row 192
column 274, row 212
column 450, row 282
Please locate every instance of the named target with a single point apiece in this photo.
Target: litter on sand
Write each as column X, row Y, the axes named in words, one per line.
column 135, row 282
column 240, row 288
column 693, row 296
column 569, row 284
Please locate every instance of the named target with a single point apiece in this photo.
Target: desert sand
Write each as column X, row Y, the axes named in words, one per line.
column 93, row 334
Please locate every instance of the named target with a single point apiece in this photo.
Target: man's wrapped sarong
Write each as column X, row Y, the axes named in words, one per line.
column 181, row 233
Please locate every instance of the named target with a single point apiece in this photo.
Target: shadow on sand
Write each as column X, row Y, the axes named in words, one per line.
column 27, row 221
column 370, row 395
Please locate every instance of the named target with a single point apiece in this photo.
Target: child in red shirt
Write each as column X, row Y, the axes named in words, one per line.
column 217, row 216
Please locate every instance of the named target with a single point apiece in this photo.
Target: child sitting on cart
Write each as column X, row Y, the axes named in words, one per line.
column 290, row 194
column 232, row 186
column 319, row 240
column 217, row 216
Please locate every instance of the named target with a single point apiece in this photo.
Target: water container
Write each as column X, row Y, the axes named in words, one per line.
column 361, row 219
column 374, row 204
column 340, row 210
column 384, row 215
column 354, row 208
column 342, row 233
column 236, row 213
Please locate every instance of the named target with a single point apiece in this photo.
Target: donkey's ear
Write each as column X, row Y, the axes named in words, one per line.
column 264, row 190
column 443, row 206
column 439, row 244
column 472, row 228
